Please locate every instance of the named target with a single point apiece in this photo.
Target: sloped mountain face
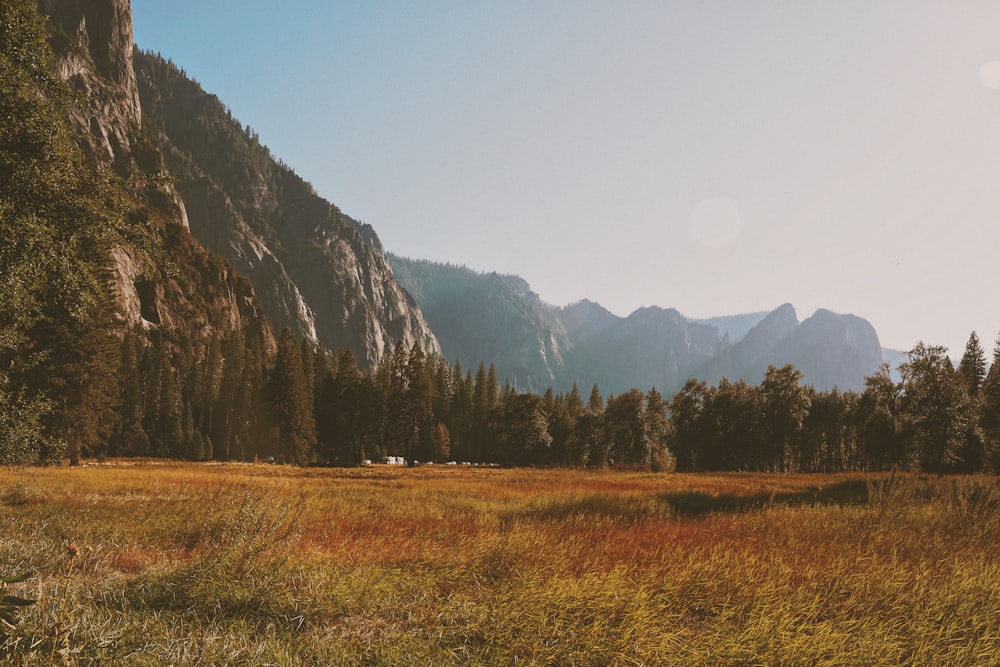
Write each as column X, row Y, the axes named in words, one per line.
column 735, row 327
column 652, row 347
column 835, row 350
column 831, row 350
column 314, row 269
column 488, row 317
column 498, row 319
column 585, row 319
column 93, row 43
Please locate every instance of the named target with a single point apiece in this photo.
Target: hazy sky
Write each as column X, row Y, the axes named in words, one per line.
column 716, row 157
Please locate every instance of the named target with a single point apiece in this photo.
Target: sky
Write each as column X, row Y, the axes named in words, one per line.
column 717, row 157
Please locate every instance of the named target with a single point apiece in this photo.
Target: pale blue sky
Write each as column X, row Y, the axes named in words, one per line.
column 716, row 157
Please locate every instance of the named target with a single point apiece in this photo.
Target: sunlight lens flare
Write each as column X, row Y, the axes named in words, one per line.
column 715, row 222
column 989, row 73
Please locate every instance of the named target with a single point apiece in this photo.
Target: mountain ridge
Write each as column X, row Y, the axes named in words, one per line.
column 584, row 343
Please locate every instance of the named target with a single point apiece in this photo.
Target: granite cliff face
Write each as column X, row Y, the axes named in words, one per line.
column 178, row 286
column 220, row 202
column 314, row 268
column 652, row 347
column 93, row 43
column 831, row 350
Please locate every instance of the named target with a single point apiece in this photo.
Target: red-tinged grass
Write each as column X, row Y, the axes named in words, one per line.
column 237, row 564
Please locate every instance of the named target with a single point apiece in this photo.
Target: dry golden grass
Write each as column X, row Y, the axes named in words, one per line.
column 237, row 564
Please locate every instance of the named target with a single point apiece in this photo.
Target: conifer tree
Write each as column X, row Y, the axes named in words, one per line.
column 292, row 402
column 786, row 403
column 593, row 440
column 989, row 414
column 972, row 367
column 129, row 437
column 937, row 407
column 657, row 434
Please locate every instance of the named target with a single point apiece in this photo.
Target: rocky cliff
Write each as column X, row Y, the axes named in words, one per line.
column 166, row 280
column 298, row 261
column 488, row 317
column 314, row 268
column 93, row 43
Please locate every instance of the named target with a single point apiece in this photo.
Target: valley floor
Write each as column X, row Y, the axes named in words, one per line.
column 157, row 564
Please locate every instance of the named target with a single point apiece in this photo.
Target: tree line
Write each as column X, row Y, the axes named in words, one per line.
column 935, row 418
column 234, row 399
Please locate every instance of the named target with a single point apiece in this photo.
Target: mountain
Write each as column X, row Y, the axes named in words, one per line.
column 152, row 248
column 652, row 347
column 831, row 350
column 735, row 326
column 488, row 317
column 300, row 261
column 314, row 268
column 499, row 320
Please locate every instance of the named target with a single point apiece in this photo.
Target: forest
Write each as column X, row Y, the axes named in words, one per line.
column 308, row 406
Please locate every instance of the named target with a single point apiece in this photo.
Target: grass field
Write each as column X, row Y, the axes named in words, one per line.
column 154, row 564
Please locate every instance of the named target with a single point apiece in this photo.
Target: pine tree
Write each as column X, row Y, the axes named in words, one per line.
column 937, row 407
column 786, row 403
column 594, row 443
column 129, row 437
column 292, row 402
column 657, row 434
column 687, row 416
column 972, row 368
column 989, row 414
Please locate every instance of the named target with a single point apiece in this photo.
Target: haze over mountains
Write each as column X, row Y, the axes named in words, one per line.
column 498, row 318
column 247, row 244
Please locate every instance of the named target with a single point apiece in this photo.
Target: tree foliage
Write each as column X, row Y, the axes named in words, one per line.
column 59, row 216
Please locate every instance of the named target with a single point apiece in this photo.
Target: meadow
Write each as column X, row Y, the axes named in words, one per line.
column 145, row 563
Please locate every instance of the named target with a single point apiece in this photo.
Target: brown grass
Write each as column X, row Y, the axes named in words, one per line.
column 238, row 564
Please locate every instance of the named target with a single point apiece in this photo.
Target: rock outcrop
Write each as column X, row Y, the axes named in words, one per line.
column 93, row 45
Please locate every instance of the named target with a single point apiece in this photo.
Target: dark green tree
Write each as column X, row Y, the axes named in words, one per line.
column 521, row 430
column 688, row 418
column 972, row 367
column 658, row 456
column 292, row 402
column 625, row 429
column 59, row 216
column 937, row 409
column 989, row 414
column 785, row 403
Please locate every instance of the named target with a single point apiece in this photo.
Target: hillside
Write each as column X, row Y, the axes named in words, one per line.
column 314, row 268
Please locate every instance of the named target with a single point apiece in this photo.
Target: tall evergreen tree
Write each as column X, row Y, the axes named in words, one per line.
column 937, row 408
column 687, row 415
column 972, row 367
column 786, row 403
column 989, row 414
column 292, row 403
column 129, row 437
column 658, row 456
